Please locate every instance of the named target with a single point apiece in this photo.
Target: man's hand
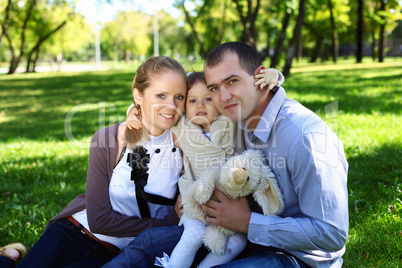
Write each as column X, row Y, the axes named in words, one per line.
column 228, row 213
column 178, row 207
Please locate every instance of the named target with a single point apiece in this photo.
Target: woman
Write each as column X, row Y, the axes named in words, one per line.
column 131, row 180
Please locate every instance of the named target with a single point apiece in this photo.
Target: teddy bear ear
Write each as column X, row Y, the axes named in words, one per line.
column 269, row 195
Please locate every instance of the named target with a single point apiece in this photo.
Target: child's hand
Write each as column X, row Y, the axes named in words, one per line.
column 133, row 122
column 131, row 119
column 269, row 77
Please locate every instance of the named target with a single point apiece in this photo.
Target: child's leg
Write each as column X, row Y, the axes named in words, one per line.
column 191, row 240
column 235, row 245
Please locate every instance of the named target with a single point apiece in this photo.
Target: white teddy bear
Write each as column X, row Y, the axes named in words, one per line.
column 241, row 175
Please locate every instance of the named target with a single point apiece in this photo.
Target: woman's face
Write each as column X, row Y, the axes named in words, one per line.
column 162, row 102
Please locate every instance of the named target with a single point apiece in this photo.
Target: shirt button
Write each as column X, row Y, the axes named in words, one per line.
column 256, row 239
column 229, row 151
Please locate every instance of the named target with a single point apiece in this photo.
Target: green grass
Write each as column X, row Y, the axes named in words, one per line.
column 41, row 170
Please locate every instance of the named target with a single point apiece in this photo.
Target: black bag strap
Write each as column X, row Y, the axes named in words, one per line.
column 122, row 154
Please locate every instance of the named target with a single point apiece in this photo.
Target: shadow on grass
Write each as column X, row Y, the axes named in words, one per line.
column 58, row 179
column 35, row 189
column 374, row 178
column 375, row 208
column 37, row 107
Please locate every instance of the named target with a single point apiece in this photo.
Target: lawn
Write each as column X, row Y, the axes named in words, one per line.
column 47, row 120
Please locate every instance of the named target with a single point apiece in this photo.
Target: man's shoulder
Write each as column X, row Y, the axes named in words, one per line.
column 300, row 117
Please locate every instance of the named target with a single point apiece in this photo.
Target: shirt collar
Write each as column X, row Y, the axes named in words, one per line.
column 264, row 127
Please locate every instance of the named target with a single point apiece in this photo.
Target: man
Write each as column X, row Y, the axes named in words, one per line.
column 306, row 157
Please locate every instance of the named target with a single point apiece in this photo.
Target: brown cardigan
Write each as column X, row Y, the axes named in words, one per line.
column 102, row 218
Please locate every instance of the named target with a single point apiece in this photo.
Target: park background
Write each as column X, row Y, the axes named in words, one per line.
column 67, row 67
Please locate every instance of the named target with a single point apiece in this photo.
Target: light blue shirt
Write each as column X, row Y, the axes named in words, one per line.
column 310, row 166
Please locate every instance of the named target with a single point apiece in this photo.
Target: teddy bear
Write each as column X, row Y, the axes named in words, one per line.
column 241, row 175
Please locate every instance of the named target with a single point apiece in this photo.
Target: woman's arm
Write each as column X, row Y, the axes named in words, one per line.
column 101, row 216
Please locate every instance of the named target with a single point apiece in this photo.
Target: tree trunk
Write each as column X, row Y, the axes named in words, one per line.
column 373, row 45
column 381, row 43
column 36, row 48
column 249, row 34
column 127, row 56
column 318, row 44
column 295, row 40
column 4, row 25
column 359, row 34
column 334, row 34
column 35, row 61
column 317, row 49
column 300, row 49
column 281, row 40
column 14, row 62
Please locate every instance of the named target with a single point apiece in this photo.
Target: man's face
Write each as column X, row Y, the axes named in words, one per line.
column 232, row 89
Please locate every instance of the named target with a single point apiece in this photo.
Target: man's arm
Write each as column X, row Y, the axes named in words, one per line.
column 322, row 197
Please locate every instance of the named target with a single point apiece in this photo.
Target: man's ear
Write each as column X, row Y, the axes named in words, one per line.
column 259, row 68
column 137, row 95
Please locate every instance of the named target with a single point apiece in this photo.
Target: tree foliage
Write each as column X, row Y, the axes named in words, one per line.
column 127, row 36
column 48, row 29
column 26, row 25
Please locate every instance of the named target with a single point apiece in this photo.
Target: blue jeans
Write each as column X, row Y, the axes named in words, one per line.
column 143, row 250
column 261, row 256
column 151, row 243
column 63, row 245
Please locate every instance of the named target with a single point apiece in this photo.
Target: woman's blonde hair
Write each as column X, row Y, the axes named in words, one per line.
column 142, row 80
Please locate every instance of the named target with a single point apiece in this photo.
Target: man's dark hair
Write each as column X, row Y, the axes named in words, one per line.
column 248, row 57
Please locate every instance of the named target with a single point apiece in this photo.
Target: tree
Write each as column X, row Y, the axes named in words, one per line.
column 172, row 36
column 381, row 44
column 248, row 17
column 208, row 22
column 4, row 24
column 48, row 18
column 359, row 33
column 127, row 36
column 25, row 17
column 282, row 36
column 334, row 35
column 72, row 42
column 325, row 27
column 386, row 18
column 295, row 40
column 28, row 24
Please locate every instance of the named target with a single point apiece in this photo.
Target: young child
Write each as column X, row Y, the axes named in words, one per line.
column 206, row 139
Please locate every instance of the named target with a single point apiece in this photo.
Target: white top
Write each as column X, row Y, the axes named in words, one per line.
column 164, row 170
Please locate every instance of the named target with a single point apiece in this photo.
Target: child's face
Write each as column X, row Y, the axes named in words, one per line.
column 199, row 106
